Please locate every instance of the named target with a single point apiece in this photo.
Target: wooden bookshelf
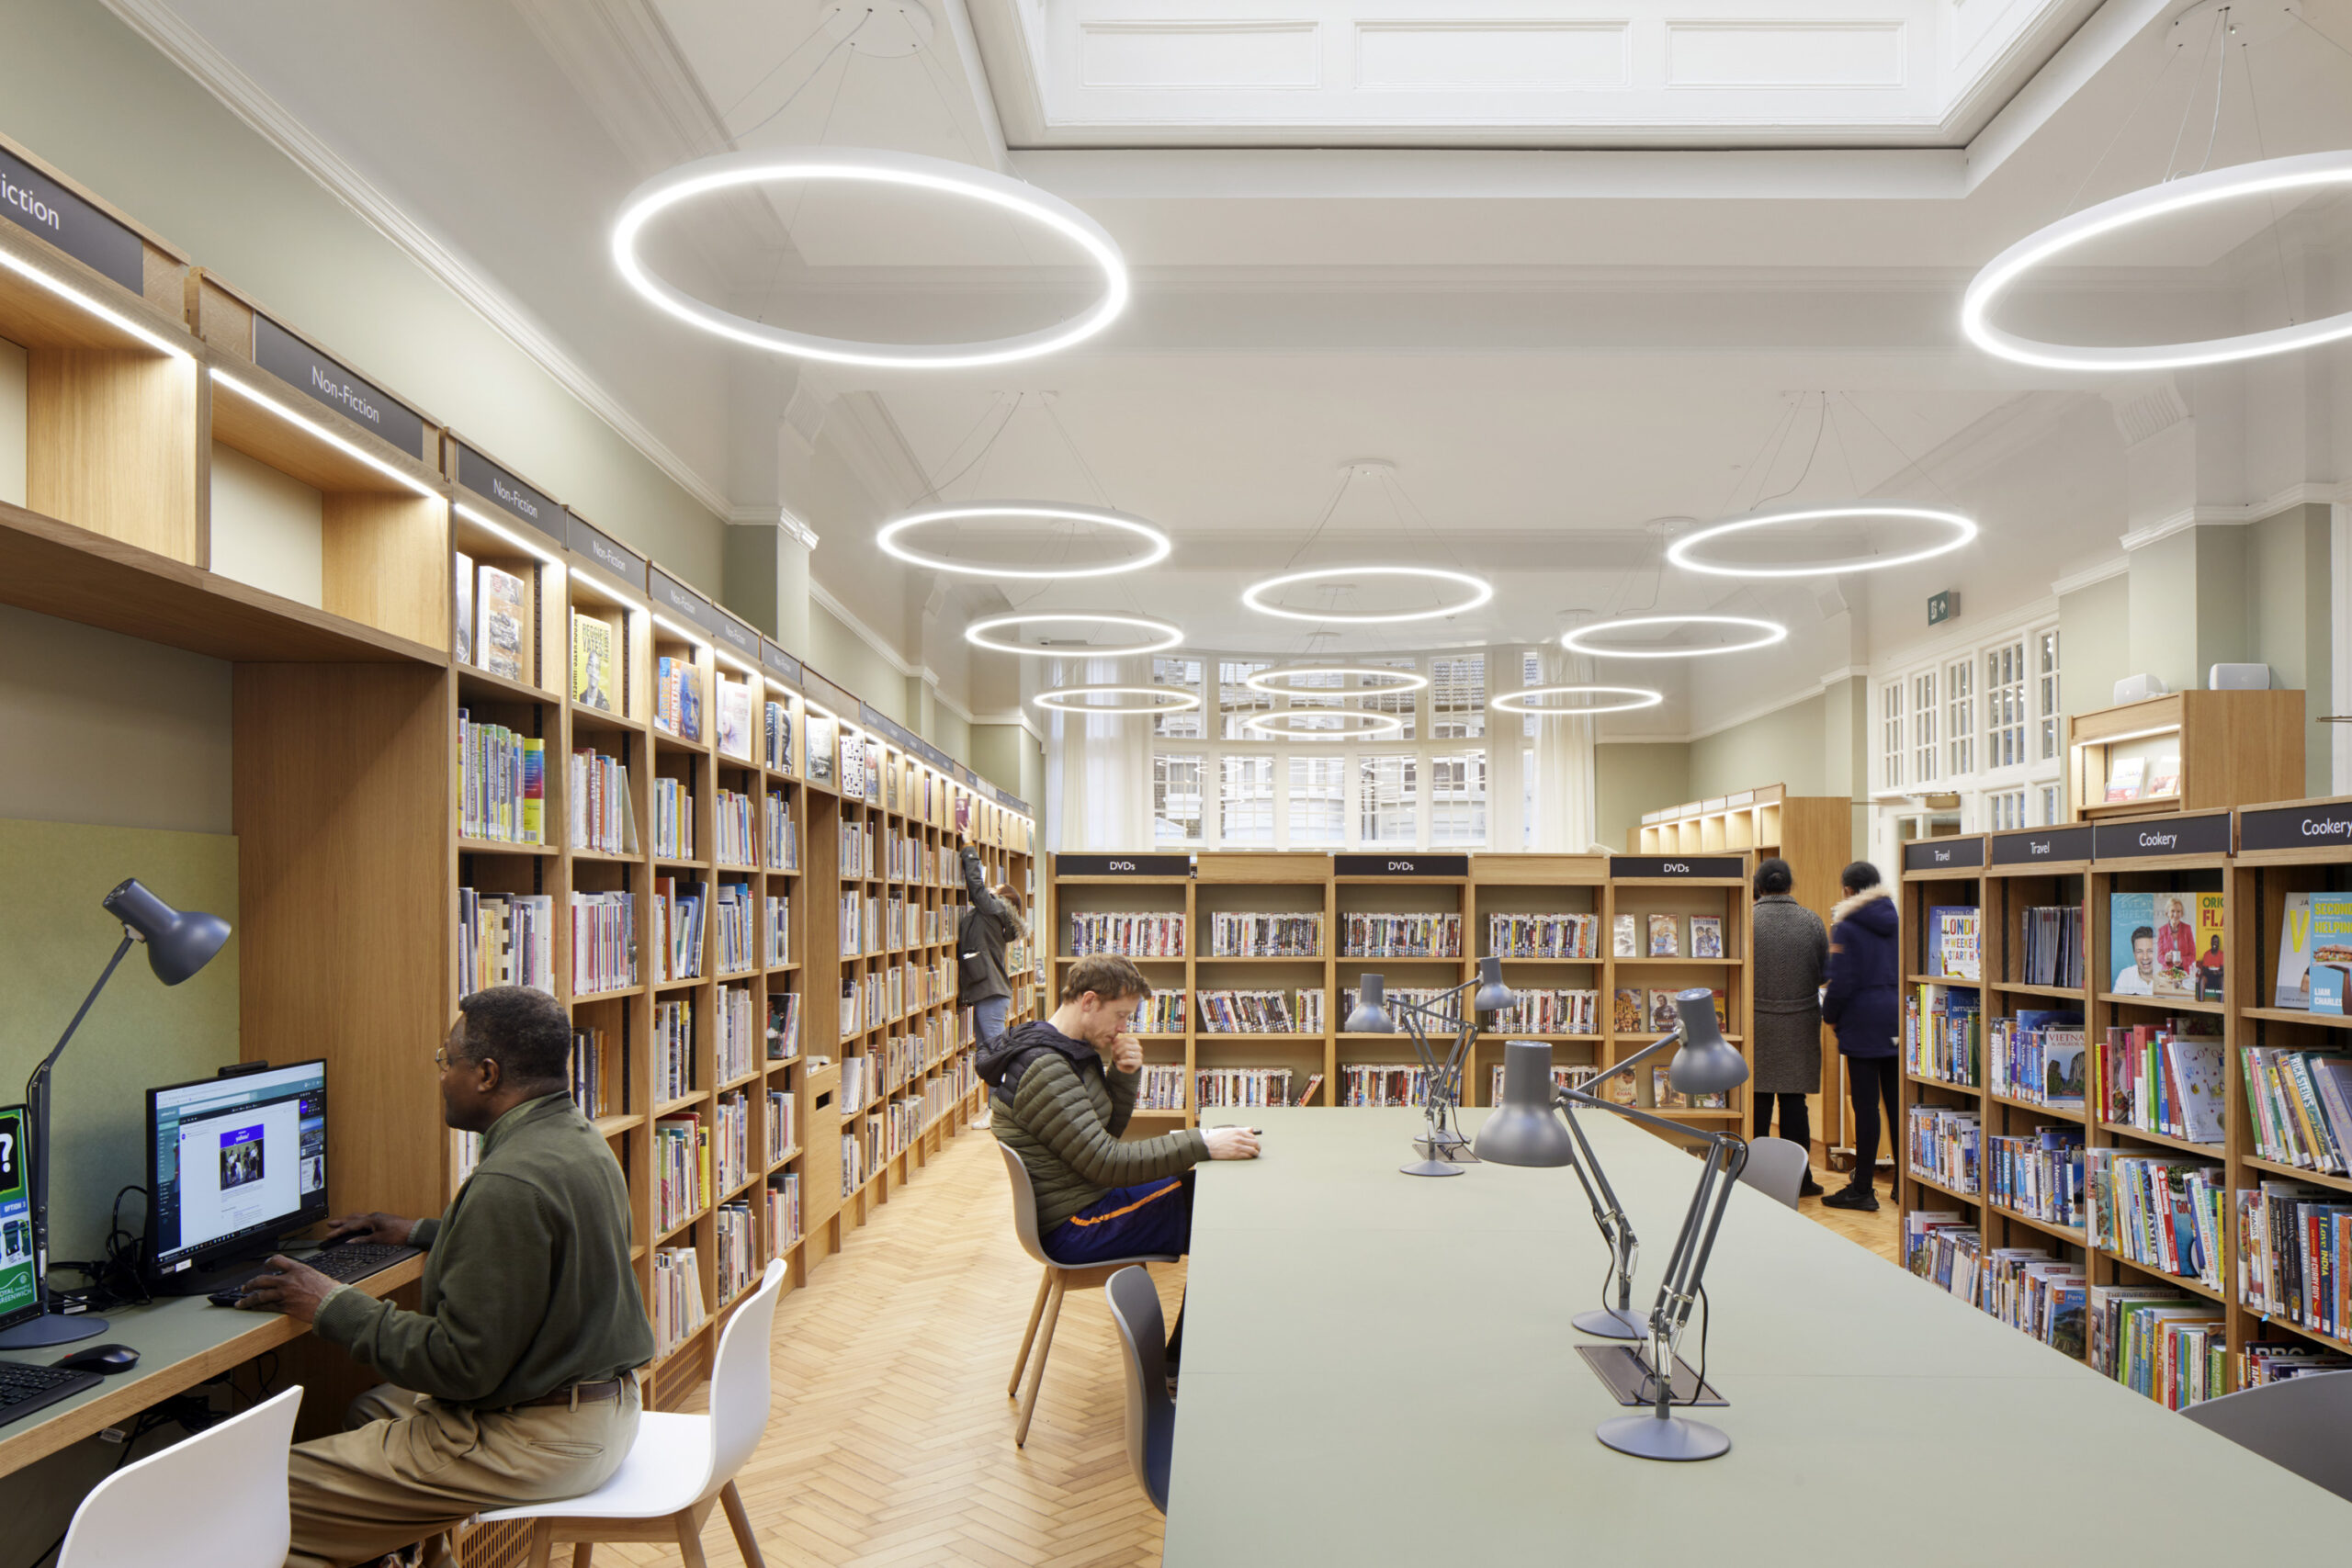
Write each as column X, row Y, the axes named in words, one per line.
column 2227, row 749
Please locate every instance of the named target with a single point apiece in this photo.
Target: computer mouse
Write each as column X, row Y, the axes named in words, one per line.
column 101, row 1358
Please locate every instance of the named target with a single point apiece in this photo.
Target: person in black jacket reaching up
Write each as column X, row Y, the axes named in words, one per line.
column 993, row 920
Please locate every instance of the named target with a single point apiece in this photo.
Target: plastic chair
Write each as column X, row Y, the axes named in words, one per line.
column 679, row 1465
column 214, row 1500
column 1057, row 1283
column 2304, row 1424
column 1776, row 1167
column 1151, row 1412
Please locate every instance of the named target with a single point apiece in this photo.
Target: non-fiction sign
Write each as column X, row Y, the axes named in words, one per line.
column 609, row 556
column 328, row 381
column 2296, row 828
column 827, row 696
column 2150, row 837
column 1404, row 864
column 39, row 205
column 672, row 597
column 1123, row 865
column 1676, row 868
column 777, row 662
column 524, row 502
column 734, row 636
column 2043, row 844
column 1942, row 854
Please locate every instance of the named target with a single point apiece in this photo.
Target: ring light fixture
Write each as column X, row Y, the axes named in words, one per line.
column 1184, row 701
column 1375, row 726
column 1394, row 680
column 1478, row 590
column 891, row 537
column 1158, row 637
column 1963, row 529
column 2271, row 177
column 1523, row 701
column 1580, row 640
column 866, row 167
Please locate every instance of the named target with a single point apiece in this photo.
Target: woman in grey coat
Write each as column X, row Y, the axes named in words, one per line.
column 1792, row 954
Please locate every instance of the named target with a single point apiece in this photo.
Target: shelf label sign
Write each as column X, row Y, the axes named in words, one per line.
column 777, row 662
column 612, row 558
column 2042, row 844
column 2296, row 828
column 2140, row 837
column 34, row 202
column 511, row 495
column 829, row 696
column 668, row 593
column 742, row 640
column 1677, row 868
column 1406, row 865
column 327, row 381
column 1942, row 854
column 1123, row 865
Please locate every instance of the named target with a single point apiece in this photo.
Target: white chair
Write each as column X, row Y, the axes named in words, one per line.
column 1776, row 1167
column 679, row 1465
column 1152, row 1414
column 2304, row 1424
column 214, row 1500
column 1059, row 1281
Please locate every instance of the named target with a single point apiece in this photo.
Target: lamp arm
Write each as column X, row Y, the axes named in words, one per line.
column 1634, row 1113
column 1608, row 1216
column 37, row 1112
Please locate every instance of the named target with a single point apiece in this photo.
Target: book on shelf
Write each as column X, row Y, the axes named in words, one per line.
column 592, row 1071
column 1261, row 1012
column 1549, row 1012
column 2301, row 1103
column 681, row 1169
column 1625, row 940
column 2123, row 776
column 462, row 633
column 502, row 783
column 673, row 819
column 1944, row 1034
column 604, row 943
column 673, row 1049
column 501, row 601
column 1162, row 1012
column 852, row 764
column 2292, row 979
column 1627, row 1015
column 1661, row 1014
column 1226, row 1089
column 1143, row 933
column 1160, row 1087
column 821, row 747
column 731, row 920
column 2040, row 1173
column 1706, row 936
column 733, row 706
column 1565, row 936
column 731, row 827
column 1313, row 1087
column 2331, row 952
column 1664, row 1096
column 2276, row 1361
column 1666, row 936
column 1233, row 935
column 2163, row 1210
column 1955, row 942
column 2163, row 1079
column 1412, row 934
column 592, row 661
column 2153, row 943
column 775, row 750
column 677, row 697
column 2038, row 1056
column 1444, row 1003
column 1945, row 1146
column 1562, row 1077
column 603, row 820
column 2024, row 1287
column 2053, row 941
column 677, row 1305
column 1382, row 1083
column 678, row 922
column 2294, row 1251
column 872, row 770
column 506, row 938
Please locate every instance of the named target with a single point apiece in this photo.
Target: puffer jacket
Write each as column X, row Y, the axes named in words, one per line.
column 1865, row 1000
column 1054, row 1104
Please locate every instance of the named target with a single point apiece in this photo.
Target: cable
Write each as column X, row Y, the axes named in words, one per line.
column 2187, row 108
column 2220, row 82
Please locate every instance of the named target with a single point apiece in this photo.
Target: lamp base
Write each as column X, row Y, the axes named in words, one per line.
column 51, row 1328
column 1610, row 1323
column 1674, row 1440
column 1430, row 1167
column 1453, row 1147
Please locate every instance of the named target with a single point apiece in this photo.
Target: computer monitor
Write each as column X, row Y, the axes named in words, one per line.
column 234, row 1163
column 19, row 1273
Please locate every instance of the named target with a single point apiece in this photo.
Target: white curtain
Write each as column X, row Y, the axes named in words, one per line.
column 1098, row 771
column 1564, row 763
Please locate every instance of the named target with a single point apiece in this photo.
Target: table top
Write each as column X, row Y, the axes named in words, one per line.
column 182, row 1341
column 1379, row 1368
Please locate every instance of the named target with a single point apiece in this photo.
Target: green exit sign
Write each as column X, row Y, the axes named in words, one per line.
column 1943, row 607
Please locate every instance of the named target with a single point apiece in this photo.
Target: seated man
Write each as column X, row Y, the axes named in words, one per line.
column 1061, row 1092
column 516, row 1380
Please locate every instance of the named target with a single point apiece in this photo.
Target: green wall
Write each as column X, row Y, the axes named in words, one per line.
column 2094, row 643
column 1634, row 777
column 1787, row 746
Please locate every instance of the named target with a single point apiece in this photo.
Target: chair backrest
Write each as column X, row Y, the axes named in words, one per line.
column 1135, row 1310
column 2305, row 1423
column 1776, row 1167
column 214, row 1500
column 741, row 1384
column 1025, row 1206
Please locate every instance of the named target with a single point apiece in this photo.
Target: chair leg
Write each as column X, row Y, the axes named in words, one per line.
column 583, row 1554
column 1029, row 1335
column 739, row 1521
column 1037, row 1370
column 542, row 1542
column 689, row 1539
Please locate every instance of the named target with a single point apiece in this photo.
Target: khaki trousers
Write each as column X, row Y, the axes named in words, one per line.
column 412, row 1467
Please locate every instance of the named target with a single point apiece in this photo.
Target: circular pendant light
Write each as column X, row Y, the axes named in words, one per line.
column 2271, row 176
column 1682, row 552
column 868, row 167
column 1373, row 725
column 1054, row 701
column 1156, row 637
column 892, row 537
column 1275, row 681
column 1523, row 701
column 1580, row 639
column 1477, row 591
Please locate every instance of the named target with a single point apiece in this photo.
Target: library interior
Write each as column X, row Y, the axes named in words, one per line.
column 781, row 783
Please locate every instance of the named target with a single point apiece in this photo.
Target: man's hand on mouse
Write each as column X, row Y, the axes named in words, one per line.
column 1230, row 1143
column 284, row 1285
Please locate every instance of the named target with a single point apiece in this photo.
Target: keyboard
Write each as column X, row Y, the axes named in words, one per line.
column 25, row 1388
column 348, row 1264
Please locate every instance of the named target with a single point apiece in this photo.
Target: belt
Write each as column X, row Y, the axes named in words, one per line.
column 579, row 1392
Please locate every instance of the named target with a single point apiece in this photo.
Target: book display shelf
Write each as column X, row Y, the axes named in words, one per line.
column 1255, row 941
column 2187, row 752
column 476, row 738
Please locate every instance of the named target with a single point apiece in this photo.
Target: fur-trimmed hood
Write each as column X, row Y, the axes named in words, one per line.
column 1880, row 919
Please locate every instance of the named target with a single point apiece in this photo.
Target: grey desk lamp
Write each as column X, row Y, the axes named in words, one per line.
column 1535, row 1125
column 178, row 945
column 1442, row 1147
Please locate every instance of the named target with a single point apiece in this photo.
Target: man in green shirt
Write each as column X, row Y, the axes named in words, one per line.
column 516, row 1380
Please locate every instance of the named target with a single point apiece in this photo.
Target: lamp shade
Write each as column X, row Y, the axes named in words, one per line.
column 178, row 945
column 1525, row 1129
column 1493, row 995
column 1370, row 1015
column 1707, row 1062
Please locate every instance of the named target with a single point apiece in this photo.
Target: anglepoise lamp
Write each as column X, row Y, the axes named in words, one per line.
column 178, row 945
column 1535, row 1125
column 1443, row 1148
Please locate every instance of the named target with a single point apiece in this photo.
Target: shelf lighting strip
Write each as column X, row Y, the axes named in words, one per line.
column 490, row 525
column 303, row 421
column 82, row 302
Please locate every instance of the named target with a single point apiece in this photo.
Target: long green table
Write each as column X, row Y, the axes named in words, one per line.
column 1379, row 1368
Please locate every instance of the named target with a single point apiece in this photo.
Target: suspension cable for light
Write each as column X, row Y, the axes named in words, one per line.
column 1523, row 701
column 1050, row 700
column 1158, row 636
column 891, row 538
column 1273, row 681
column 1580, row 639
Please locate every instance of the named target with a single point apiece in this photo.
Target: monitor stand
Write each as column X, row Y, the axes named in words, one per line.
column 51, row 1328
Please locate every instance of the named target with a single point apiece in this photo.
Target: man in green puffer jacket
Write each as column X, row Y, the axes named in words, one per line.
column 1061, row 1092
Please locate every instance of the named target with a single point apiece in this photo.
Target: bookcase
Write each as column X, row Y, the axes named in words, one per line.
column 203, row 475
column 2185, row 751
column 1414, row 896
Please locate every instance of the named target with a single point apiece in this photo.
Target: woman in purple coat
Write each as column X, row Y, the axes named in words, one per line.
column 1864, row 1005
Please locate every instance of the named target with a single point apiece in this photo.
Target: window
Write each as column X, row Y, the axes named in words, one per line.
column 1247, row 802
column 1923, row 726
column 2004, row 706
column 2004, row 809
column 1181, row 674
column 1458, row 696
column 2046, row 658
column 1391, row 789
column 1176, row 798
column 1890, row 730
column 1960, row 699
column 1238, row 702
column 1310, row 699
column 1531, row 673
column 1458, row 798
column 1527, row 797
column 1404, row 705
column 2052, row 813
column 1318, row 801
